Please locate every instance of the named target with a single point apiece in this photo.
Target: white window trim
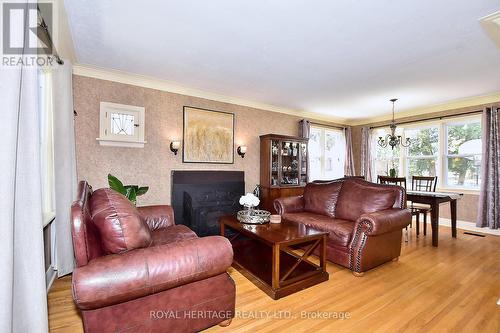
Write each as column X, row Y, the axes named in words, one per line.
column 107, row 139
column 441, row 162
column 48, row 186
column 437, row 157
column 444, row 146
column 325, row 128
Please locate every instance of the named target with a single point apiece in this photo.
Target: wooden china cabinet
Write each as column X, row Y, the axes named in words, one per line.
column 283, row 168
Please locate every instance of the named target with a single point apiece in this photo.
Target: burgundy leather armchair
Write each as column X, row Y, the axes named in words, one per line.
column 364, row 220
column 137, row 271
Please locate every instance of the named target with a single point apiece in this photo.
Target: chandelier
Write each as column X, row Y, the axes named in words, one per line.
column 392, row 139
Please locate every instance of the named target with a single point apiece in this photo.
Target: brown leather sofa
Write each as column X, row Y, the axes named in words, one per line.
column 136, row 271
column 364, row 220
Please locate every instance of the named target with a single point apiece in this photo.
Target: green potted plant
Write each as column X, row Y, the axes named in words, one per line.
column 130, row 191
column 392, row 172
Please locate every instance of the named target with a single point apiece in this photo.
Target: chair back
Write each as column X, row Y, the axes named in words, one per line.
column 424, row 183
column 400, row 181
column 324, row 193
column 86, row 238
column 326, row 181
column 323, row 181
column 359, row 177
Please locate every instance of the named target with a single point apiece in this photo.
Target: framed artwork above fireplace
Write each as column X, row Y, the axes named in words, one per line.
column 208, row 136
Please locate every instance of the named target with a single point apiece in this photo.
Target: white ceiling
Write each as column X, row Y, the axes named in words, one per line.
column 343, row 58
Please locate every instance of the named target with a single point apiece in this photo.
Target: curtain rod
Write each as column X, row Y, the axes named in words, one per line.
column 431, row 118
column 45, row 30
column 330, row 126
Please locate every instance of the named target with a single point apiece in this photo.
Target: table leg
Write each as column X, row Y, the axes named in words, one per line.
column 453, row 211
column 276, row 267
column 222, row 229
column 425, row 223
column 435, row 223
column 322, row 254
column 417, row 219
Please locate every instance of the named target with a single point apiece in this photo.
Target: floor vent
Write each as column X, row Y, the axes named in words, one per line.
column 473, row 234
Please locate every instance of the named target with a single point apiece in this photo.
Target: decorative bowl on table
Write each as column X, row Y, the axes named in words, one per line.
column 250, row 215
column 253, row 216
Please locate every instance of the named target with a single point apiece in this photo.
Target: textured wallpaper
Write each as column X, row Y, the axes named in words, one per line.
column 152, row 165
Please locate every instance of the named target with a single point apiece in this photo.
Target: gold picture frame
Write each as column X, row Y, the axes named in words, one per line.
column 208, row 136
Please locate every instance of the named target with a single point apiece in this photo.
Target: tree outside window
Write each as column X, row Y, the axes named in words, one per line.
column 463, row 154
column 450, row 150
column 326, row 153
column 422, row 155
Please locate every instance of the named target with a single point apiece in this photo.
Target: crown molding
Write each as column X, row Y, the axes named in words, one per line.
column 491, row 24
column 169, row 86
column 451, row 105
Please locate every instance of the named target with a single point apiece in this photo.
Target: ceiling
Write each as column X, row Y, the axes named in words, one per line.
column 343, row 59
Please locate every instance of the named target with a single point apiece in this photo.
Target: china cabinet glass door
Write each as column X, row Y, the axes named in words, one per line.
column 303, row 164
column 290, row 163
column 275, row 162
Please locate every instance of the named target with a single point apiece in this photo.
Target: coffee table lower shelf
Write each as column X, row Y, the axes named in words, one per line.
column 254, row 260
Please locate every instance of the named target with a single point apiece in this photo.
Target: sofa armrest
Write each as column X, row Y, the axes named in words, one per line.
column 289, row 204
column 119, row 278
column 384, row 221
column 157, row 217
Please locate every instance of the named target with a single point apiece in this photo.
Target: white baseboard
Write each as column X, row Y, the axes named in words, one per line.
column 50, row 276
column 469, row 226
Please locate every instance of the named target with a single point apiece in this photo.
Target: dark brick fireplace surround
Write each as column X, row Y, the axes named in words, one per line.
column 199, row 198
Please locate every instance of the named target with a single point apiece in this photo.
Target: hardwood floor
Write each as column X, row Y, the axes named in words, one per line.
column 454, row 287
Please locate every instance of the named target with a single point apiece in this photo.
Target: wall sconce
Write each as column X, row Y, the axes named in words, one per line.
column 241, row 151
column 174, row 146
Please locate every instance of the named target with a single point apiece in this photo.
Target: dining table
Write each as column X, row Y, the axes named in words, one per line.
column 434, row 199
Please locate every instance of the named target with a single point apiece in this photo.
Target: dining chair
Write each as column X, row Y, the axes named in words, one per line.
column 400, row 181
column 425, row 184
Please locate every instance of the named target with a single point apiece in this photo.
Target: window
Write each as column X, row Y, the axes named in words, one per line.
column 326, row 153
column 121, row 125
column 47, row 145
column 386, row 158
column 450, row 149
column 423, row 154
column 463, row 154
column 46, row 140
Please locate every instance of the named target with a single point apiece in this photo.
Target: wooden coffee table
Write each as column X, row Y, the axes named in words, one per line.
column 265, row 256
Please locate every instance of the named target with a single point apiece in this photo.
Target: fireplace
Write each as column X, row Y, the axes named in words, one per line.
column 199, row 198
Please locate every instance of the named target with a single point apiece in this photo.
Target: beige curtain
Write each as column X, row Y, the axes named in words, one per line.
column 23, row 299
column 349, row 157
column 366, row 153
column 304, row 132
column 64, row 165
column 304, row 128
column 489, row 199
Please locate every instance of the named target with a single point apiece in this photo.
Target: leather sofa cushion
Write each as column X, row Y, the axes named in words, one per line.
column 114, row 279
column 340, row 231
column 321, row 198
column 119, row 223
column 157, row 217
column 175, row 233
column 357, row 199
